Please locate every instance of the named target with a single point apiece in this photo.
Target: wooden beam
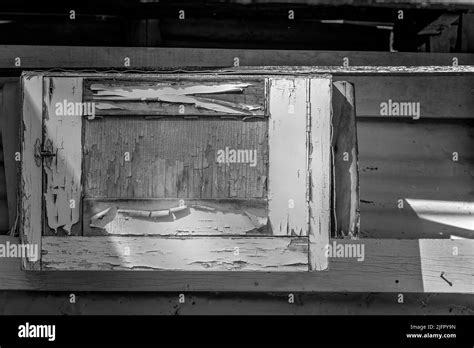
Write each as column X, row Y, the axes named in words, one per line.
column 40, row 57
column 401, row 266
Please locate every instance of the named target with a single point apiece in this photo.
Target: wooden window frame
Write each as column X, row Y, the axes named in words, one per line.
column 391, row 265
column 310, row 175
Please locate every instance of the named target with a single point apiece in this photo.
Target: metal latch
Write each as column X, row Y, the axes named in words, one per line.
column 46, row 153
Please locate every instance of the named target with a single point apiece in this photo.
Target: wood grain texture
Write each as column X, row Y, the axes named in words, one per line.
column 10, row 125
column 31, row 173
column 3, row 216
column 402, row 160
column 174, row 158
column 200, row 217
column 164, row 57
column 195, row 96
column 396, row 266
column 287, row 209
column 269, row 254
column 345, row 185
column 319, row 166
column 438, row 96
column 63, row 133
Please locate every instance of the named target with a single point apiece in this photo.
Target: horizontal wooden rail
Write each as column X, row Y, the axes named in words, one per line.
column 438, row 266
column 39, row 57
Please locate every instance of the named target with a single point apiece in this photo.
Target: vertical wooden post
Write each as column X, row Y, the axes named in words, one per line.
column 319, row 164
column 345, row 162
column 10, row 123
column 287, row 207
column 63, row 134
column 31, row 170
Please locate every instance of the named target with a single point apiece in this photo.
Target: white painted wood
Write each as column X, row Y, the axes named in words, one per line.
column 287, row 208
column 390, row 265
column 320, row 171
column 31, row 173
column 63, row 174
column 269, row 254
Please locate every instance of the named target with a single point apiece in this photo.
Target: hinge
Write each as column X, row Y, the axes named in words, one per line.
column 47, row 152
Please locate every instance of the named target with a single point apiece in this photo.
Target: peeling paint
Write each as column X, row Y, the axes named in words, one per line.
column 185, row 94
column 62, row 194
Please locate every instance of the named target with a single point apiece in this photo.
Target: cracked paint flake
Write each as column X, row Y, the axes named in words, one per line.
column 185, row 94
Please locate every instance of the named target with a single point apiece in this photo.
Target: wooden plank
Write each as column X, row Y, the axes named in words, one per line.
column 11, row 145
column 4, row 227
column 345, row 162
column 402, row 160
column 441, row 35
column 196, row 217
column 287, row 210
column 392, row 266
column 211, row 303
column 62, row 137
column 198, row 96
column 319, row 167
column 268, row 254
column 429, row 90
column 209, row 148
column 163, row 57
column 3, row 187
column 31, row 172
column 427, row 96
column 467, row 32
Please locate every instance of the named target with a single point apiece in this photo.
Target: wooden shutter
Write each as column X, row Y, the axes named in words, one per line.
column 137, row 184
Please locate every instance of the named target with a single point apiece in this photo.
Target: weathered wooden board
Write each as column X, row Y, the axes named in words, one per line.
column 402, row 160
column 288, row 157
column 191, row 96
column 31, row 172
column 3, row 215
column 62, row 137
column 396, row 266
column 175, row 158
column 197, row 217
column 345, row 181
column 164, row 57
column 4, row 223
column 176, row 254
column 10, row 126
column 413, row 96
column 319, row 167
